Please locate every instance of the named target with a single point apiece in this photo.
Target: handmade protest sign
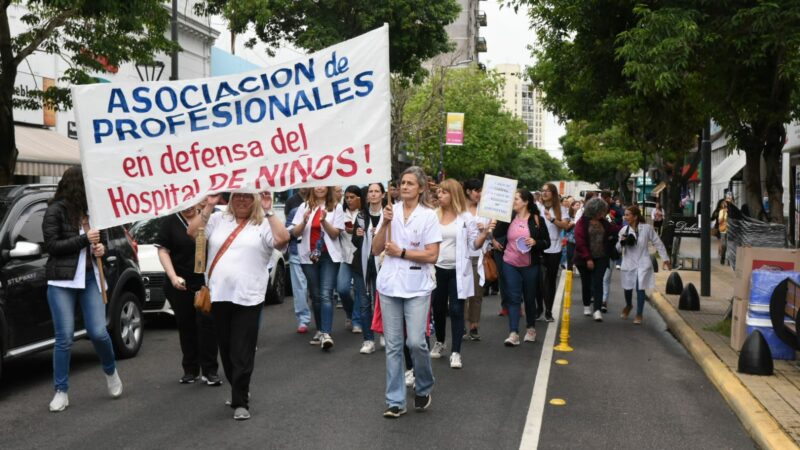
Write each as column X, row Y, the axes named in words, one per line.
column 150, row 149
column 497, row 198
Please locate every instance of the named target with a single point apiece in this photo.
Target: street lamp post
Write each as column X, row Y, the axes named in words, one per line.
column 440, row 174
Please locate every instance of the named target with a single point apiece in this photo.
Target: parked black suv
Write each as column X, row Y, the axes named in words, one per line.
column 25, row 322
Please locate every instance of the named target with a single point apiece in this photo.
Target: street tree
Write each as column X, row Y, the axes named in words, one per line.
column 89, row 34
column 417, row 27
column 493, row 138
column 532, row 167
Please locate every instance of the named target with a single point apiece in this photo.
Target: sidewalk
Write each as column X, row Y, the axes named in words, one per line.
column 769, row 407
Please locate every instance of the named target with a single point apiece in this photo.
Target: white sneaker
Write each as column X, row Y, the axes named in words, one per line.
column 367, row 347
column 315, row 340
column 455, row 360
column 114, row 384
column 512, row 340
column 530, row 335
column 598, row 316
column 587, row 311
column 326, row 341
column 382, row 342
column 409, row 378
column 357, row 330
column 60, row 402
column 437, row 350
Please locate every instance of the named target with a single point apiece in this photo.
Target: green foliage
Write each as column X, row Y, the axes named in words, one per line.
column 532, row 167
column 493, row 138
column 598, row 154
column 416, row 26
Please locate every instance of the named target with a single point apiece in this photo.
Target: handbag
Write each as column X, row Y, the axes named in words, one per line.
column 715, row 232
column 490, row 273
column 202, row 298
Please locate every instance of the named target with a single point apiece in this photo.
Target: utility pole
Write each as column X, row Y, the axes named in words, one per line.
column 174, row 57
column 705, row 211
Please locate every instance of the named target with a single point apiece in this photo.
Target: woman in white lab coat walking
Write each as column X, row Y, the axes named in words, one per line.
column 637, row 267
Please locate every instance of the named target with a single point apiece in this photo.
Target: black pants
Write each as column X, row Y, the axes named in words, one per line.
column 551, row 265
column 446, row 302
column 195, row 333
column 237, row 333
column 570, row 254
column 592, row 282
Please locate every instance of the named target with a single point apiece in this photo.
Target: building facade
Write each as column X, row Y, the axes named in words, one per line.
column 464, row 33
column 523, row 101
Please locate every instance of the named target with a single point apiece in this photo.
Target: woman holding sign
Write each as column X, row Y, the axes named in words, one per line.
column 409, row 234
column 240, row 245
column 472, row 192
column 73, row 277
column 319, row 221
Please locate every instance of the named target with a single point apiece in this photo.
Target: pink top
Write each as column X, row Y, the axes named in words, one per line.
column 517, row 229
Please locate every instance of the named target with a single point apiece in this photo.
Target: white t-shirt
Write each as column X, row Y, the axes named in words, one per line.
column 401, row 277
column 447, row 249
column 335, row 218
column 552, row 229
column 485, row 221
column 241, row 274
column 79, row 281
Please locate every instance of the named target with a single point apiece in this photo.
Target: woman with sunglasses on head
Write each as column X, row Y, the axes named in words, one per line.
column 319, row 221
column 366, row 225
column 556, row 219
column 240, row 244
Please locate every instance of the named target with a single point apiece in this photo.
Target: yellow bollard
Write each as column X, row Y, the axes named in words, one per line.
column 564, row 345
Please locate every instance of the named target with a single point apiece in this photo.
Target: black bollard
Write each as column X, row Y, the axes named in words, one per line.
column 690, row 299
column 674, row 284
column 755, row 357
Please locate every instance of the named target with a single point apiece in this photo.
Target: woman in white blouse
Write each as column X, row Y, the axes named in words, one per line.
column 637, row 267
column 454, row 275
column 238, row 281
column 409, row 234
column 319, row 221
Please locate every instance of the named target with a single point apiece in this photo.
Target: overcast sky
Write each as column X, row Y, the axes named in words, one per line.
column 507, row 36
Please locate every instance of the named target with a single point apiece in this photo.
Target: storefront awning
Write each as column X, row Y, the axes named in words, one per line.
column 44, row 152
column 728, row 168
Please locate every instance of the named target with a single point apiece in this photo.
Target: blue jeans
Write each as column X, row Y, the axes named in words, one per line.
column 522, row 283
column 352, row 304
column 321, row 278
column 641, row 296
column 299, row 291
column 367, row 309
column 62, row 308
column 415, row 311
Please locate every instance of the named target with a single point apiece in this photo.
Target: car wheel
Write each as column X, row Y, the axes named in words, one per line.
column 277, row 288
column 126, row 325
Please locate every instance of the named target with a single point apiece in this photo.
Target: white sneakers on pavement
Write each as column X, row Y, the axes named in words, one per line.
column 530, row 335
column 598, row 316
column 512, row 340
column 367, row 347
column 60, row 402
column 410, row 378
column 326, row 341
column 437, row 350
column 455, row 360
column 114, row 384
column 587, row 311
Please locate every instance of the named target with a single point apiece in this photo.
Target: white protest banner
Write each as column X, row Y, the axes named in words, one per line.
column 497, row 198
column 150, row 149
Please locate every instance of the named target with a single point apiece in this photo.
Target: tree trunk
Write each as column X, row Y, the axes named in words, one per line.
column 752, row 181
column 8, row 142
column 773, row 163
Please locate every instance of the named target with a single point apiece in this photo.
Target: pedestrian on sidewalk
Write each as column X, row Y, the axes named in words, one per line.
column 522, row 258
column 472, row 192
column 557, row 220
column 720, row 218
column 658, row 218
column 593, row 245
column 366, row 224
column 319, row 221
column 350, row 268
column 299, row 284
column 240, row 246
column 409, row 235
column 637, row 267
column 176, row 252
column 454, row 273
column 73, row 249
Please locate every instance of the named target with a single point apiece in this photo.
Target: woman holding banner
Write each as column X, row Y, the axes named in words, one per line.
column 366, row 224
column 73, row 276
column 240, row 245
column 319, row 221
column 409, row 234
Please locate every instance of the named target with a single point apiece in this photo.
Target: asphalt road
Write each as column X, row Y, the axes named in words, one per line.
column 625, row 387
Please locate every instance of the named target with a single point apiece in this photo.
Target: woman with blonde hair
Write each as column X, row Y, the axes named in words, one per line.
column 410, row 240
column 319, row 221
column 240, row 245
column 454, row 276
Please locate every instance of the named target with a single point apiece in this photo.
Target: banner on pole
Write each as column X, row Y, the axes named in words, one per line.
column 150, row 149
column 455, row 129
column 497, row 198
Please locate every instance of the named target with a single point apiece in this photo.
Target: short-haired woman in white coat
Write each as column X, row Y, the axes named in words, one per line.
column 637, row 268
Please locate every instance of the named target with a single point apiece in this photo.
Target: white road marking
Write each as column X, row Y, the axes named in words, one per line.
column 533, row 424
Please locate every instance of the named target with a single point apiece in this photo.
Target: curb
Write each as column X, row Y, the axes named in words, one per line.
column 759, row 423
